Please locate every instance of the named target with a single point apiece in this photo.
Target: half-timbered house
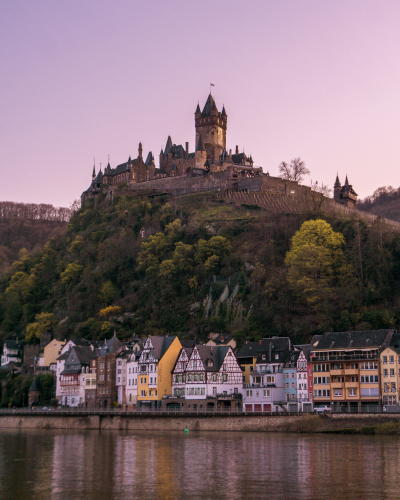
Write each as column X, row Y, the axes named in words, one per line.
column 206, row 377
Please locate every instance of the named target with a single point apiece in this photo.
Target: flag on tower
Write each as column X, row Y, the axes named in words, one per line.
column 212, row 85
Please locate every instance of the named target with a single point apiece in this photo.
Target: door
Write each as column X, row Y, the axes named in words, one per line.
column 248, row 407
column 258, row 408
column 267, row 407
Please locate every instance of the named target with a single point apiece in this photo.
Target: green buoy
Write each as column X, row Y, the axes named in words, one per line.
column 186, row 430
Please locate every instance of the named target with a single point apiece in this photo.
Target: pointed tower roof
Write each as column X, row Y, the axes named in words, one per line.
column 94, row 172
column 168, row 146
column 200, row 145
column 198, row 109
column 34, row 386
column 223, row 113
column 209, row 106
column 346, row 182
column 337, row 182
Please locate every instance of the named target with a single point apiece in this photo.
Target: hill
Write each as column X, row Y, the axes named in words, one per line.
column 26, row 227
column 201, row 263
column 385, row 202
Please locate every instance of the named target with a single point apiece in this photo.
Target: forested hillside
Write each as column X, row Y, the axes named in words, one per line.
column 384, row 202
column 26, row 227
column 160, row 266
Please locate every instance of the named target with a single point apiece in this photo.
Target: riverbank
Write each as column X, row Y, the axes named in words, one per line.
column 339, row 423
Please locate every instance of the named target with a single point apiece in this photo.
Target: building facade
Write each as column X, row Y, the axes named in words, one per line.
column 155, row 370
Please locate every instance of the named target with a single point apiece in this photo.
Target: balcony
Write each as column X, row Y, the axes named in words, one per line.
column 344, row 357
column 337, row 385
column 337, row 372
column 351, row 384
column 351, row 371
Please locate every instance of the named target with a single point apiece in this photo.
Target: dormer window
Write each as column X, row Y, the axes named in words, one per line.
column 210, row 363
column 276, row 356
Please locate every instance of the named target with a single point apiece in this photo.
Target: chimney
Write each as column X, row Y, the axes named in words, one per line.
column 237, row 150
column 140, row 150
column 187, row 148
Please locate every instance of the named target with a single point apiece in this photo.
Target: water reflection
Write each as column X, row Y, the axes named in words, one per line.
column 151, row 465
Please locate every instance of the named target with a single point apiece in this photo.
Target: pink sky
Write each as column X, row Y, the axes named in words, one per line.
column 84, row 78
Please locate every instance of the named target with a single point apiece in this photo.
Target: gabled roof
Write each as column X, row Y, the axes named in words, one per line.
column 216, row 353
column 353, row 340
column 238, row 158
column 188, row 343
column 112, row 345
column 160, row 345
column 395, row 342
column 83, row 355
column 13, row 344
column 279, row 345
column 291, row 358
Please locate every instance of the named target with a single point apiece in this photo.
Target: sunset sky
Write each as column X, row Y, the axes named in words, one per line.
column 85, row 78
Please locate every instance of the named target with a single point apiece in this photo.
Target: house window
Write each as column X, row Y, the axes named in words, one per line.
column 384, row 360
column 267, row 393
column 391, row 358
column 352, row 392
column 338, row 393
column 392, row 372
column 249, row 394
column 392, row 387
column 385, row 373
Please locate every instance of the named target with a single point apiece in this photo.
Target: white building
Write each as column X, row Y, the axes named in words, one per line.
column 302, row 378
column 206, row 374
column 120, row 376
column 12, row 350
column 132, row 368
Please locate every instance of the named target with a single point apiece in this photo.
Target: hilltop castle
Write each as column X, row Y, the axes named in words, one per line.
column 211, row 167
column 210, row 157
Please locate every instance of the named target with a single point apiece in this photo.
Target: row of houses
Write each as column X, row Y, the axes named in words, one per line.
column 336, row 369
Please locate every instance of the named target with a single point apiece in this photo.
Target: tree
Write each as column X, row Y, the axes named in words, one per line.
column 319, row 192
column 316, row 263
column 107, row 293
column 295, row 171
column 44, row 322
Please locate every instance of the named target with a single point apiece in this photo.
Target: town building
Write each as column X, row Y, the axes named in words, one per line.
column 51, row 352
column 390, row 372
column 73, row 376
column 221, row 339
column 155, row 370
column 290, row 377
column 106, row 393
column 121, row 375
column 262, row 364
column 132, row 368
column 302, row 376
column 12, row 354
column 89, row 383
column 206, row 377
column 346, row 367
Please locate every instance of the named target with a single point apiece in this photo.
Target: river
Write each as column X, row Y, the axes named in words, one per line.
column 109, row 465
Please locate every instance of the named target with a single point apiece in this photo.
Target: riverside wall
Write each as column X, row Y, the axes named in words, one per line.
column 245, row 423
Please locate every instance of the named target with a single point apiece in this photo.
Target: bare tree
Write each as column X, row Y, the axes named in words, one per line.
column 319, row 192
column 295, row 171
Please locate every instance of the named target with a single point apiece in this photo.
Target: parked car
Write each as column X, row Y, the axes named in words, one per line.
column 46, row 408
column 322, row 409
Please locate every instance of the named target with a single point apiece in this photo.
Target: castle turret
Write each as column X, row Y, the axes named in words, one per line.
column 211, row 125
column 336, row 189
column 201, row 153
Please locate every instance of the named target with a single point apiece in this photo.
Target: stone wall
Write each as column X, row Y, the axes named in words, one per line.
column 158, row 422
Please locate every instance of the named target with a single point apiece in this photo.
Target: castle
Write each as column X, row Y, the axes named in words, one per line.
column 211, row 167
column 210, row 157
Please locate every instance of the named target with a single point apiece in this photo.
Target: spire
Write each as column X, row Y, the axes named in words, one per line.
column 129, row 160
column 337, row 182
column 168, row 146
column 223, row 113
column 198, row 109
column 200, row 145
column 346, row 182
column 209, row 106
column 94, row 172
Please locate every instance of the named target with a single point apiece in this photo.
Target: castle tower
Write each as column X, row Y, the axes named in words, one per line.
column 211, row 125
column 336, row 189
column 201, row 153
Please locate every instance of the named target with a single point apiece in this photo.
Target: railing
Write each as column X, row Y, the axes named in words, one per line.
column 379, row 408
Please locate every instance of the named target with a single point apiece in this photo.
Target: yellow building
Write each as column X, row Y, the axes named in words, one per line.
column 390, row 372
column 155, row 370
column 52, row 351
